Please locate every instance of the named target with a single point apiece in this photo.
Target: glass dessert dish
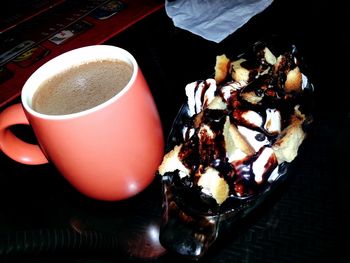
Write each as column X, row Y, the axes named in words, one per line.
column 231, row 144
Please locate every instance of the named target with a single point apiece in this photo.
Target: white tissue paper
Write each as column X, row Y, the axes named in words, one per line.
column 213, row 19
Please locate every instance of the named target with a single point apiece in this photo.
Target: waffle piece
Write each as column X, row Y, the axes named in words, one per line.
column 236, row 145
column 221, row 68
column 287, row 145
column 288, row 73
column 213, row 185
column 172, row 163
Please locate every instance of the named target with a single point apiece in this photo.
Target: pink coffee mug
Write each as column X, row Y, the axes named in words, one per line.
column 108, row 152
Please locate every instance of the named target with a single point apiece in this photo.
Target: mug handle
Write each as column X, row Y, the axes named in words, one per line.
column 11, row 145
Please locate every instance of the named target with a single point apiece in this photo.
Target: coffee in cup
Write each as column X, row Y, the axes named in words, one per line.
column 81, row 87
column 95, row 120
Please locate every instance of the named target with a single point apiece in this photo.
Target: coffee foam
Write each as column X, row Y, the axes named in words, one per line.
column 82, row 87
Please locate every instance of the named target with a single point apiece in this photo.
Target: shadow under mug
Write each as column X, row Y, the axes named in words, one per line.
column 108, row 152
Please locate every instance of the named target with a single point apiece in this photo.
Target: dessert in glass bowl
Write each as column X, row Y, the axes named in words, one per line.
column 231, row 144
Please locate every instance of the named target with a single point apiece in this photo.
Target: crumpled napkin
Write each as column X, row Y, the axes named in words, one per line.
column 213, row 19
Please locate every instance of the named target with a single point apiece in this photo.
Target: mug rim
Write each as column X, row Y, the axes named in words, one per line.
column 69, row 59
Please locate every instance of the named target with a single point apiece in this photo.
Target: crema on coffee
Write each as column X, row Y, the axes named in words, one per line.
column 81, row 87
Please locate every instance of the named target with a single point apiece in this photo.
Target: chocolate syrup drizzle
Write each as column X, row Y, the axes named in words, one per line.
column 202, row 149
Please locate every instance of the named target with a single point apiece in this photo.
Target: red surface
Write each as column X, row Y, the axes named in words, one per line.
column 28, row 14
column 101, row 31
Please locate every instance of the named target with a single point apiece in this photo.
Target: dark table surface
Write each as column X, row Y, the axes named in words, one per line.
column 43, row 219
